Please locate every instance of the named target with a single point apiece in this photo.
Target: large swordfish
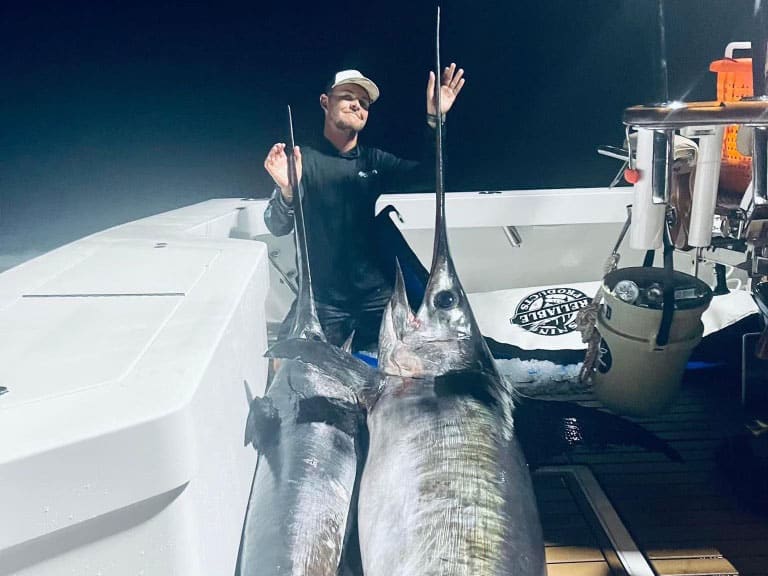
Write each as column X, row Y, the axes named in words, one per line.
column 308, row 430
column 446, row 488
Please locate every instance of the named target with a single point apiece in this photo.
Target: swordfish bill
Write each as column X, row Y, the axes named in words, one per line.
column 306, row 323
column 307, row 431
column 444, row 282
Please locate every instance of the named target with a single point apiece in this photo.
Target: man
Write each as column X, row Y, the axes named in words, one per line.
column 341, row 181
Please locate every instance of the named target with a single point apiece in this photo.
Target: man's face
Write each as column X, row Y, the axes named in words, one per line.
column 347, row 107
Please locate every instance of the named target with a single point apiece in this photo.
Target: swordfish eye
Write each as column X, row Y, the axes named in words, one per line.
column 446, row 299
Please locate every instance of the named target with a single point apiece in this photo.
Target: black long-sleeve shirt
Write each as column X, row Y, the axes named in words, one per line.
column 339, row 198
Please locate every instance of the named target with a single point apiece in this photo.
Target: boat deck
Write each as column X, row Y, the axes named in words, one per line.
column 685, row 518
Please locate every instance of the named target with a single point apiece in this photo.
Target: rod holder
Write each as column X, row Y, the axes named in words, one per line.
column 647, row 215
column 661, row 165
column 705, row 185
column 513, row 236
column 760, row 167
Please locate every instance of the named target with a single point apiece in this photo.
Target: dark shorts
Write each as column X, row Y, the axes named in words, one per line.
column 338, row 324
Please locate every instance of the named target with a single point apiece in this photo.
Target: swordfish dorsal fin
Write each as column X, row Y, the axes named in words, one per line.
column 395, row 320
column 306, row 323
column 347, row 346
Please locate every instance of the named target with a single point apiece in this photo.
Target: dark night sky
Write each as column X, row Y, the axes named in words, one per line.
column 115, row 110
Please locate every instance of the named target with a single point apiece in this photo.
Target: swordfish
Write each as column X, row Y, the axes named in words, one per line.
column 446, row 488
column 308, row 430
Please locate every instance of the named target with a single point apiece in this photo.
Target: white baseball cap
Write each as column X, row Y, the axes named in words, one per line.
column 355, row 77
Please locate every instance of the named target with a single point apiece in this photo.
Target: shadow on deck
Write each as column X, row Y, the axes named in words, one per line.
column 692, row 518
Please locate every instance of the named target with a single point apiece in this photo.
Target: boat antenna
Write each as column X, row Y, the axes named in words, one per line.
column 663, row 72
column 306, row 323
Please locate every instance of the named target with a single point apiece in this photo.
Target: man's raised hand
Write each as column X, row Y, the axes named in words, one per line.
column 276, row 163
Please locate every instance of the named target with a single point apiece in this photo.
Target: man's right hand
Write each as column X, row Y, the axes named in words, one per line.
column 276, row 163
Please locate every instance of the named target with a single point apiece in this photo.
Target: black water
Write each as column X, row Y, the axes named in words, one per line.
column 116, row 110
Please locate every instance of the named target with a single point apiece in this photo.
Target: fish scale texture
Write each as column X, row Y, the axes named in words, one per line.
column 444, row 491
column 298, row 512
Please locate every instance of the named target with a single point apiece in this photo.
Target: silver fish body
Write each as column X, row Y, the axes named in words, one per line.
column 298, row 515
column 445, row 490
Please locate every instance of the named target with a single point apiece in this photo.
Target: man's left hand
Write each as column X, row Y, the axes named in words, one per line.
column 451, row 83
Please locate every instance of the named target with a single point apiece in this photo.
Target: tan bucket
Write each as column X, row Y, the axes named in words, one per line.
column 635, row 375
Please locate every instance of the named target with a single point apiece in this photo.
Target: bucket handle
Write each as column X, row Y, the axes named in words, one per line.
column 661, row 337
column 668, row 286
column 652, row 345
column 653, row 342
column 729, row 49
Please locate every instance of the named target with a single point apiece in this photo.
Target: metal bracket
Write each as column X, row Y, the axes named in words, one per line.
column 286, row 276
column 513, row 236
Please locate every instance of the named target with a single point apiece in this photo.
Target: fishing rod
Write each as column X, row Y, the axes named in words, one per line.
column 663, row 71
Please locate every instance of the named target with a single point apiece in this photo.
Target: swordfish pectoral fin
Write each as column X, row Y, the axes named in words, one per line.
column 482, row 386
column 263, row 424
column 342, row 415
column 548, row 428
column 333, row 361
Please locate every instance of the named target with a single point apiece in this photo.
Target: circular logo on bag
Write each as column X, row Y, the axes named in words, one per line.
column 550, row 312
column 604, row 357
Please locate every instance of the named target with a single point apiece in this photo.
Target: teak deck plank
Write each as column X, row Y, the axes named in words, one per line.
column 694, row 567
column 580, row 569
column 571, row 554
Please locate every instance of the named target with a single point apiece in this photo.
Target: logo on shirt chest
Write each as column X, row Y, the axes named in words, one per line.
column 364, row 174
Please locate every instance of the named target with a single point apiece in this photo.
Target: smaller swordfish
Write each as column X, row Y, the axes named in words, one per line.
column 308, row 430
